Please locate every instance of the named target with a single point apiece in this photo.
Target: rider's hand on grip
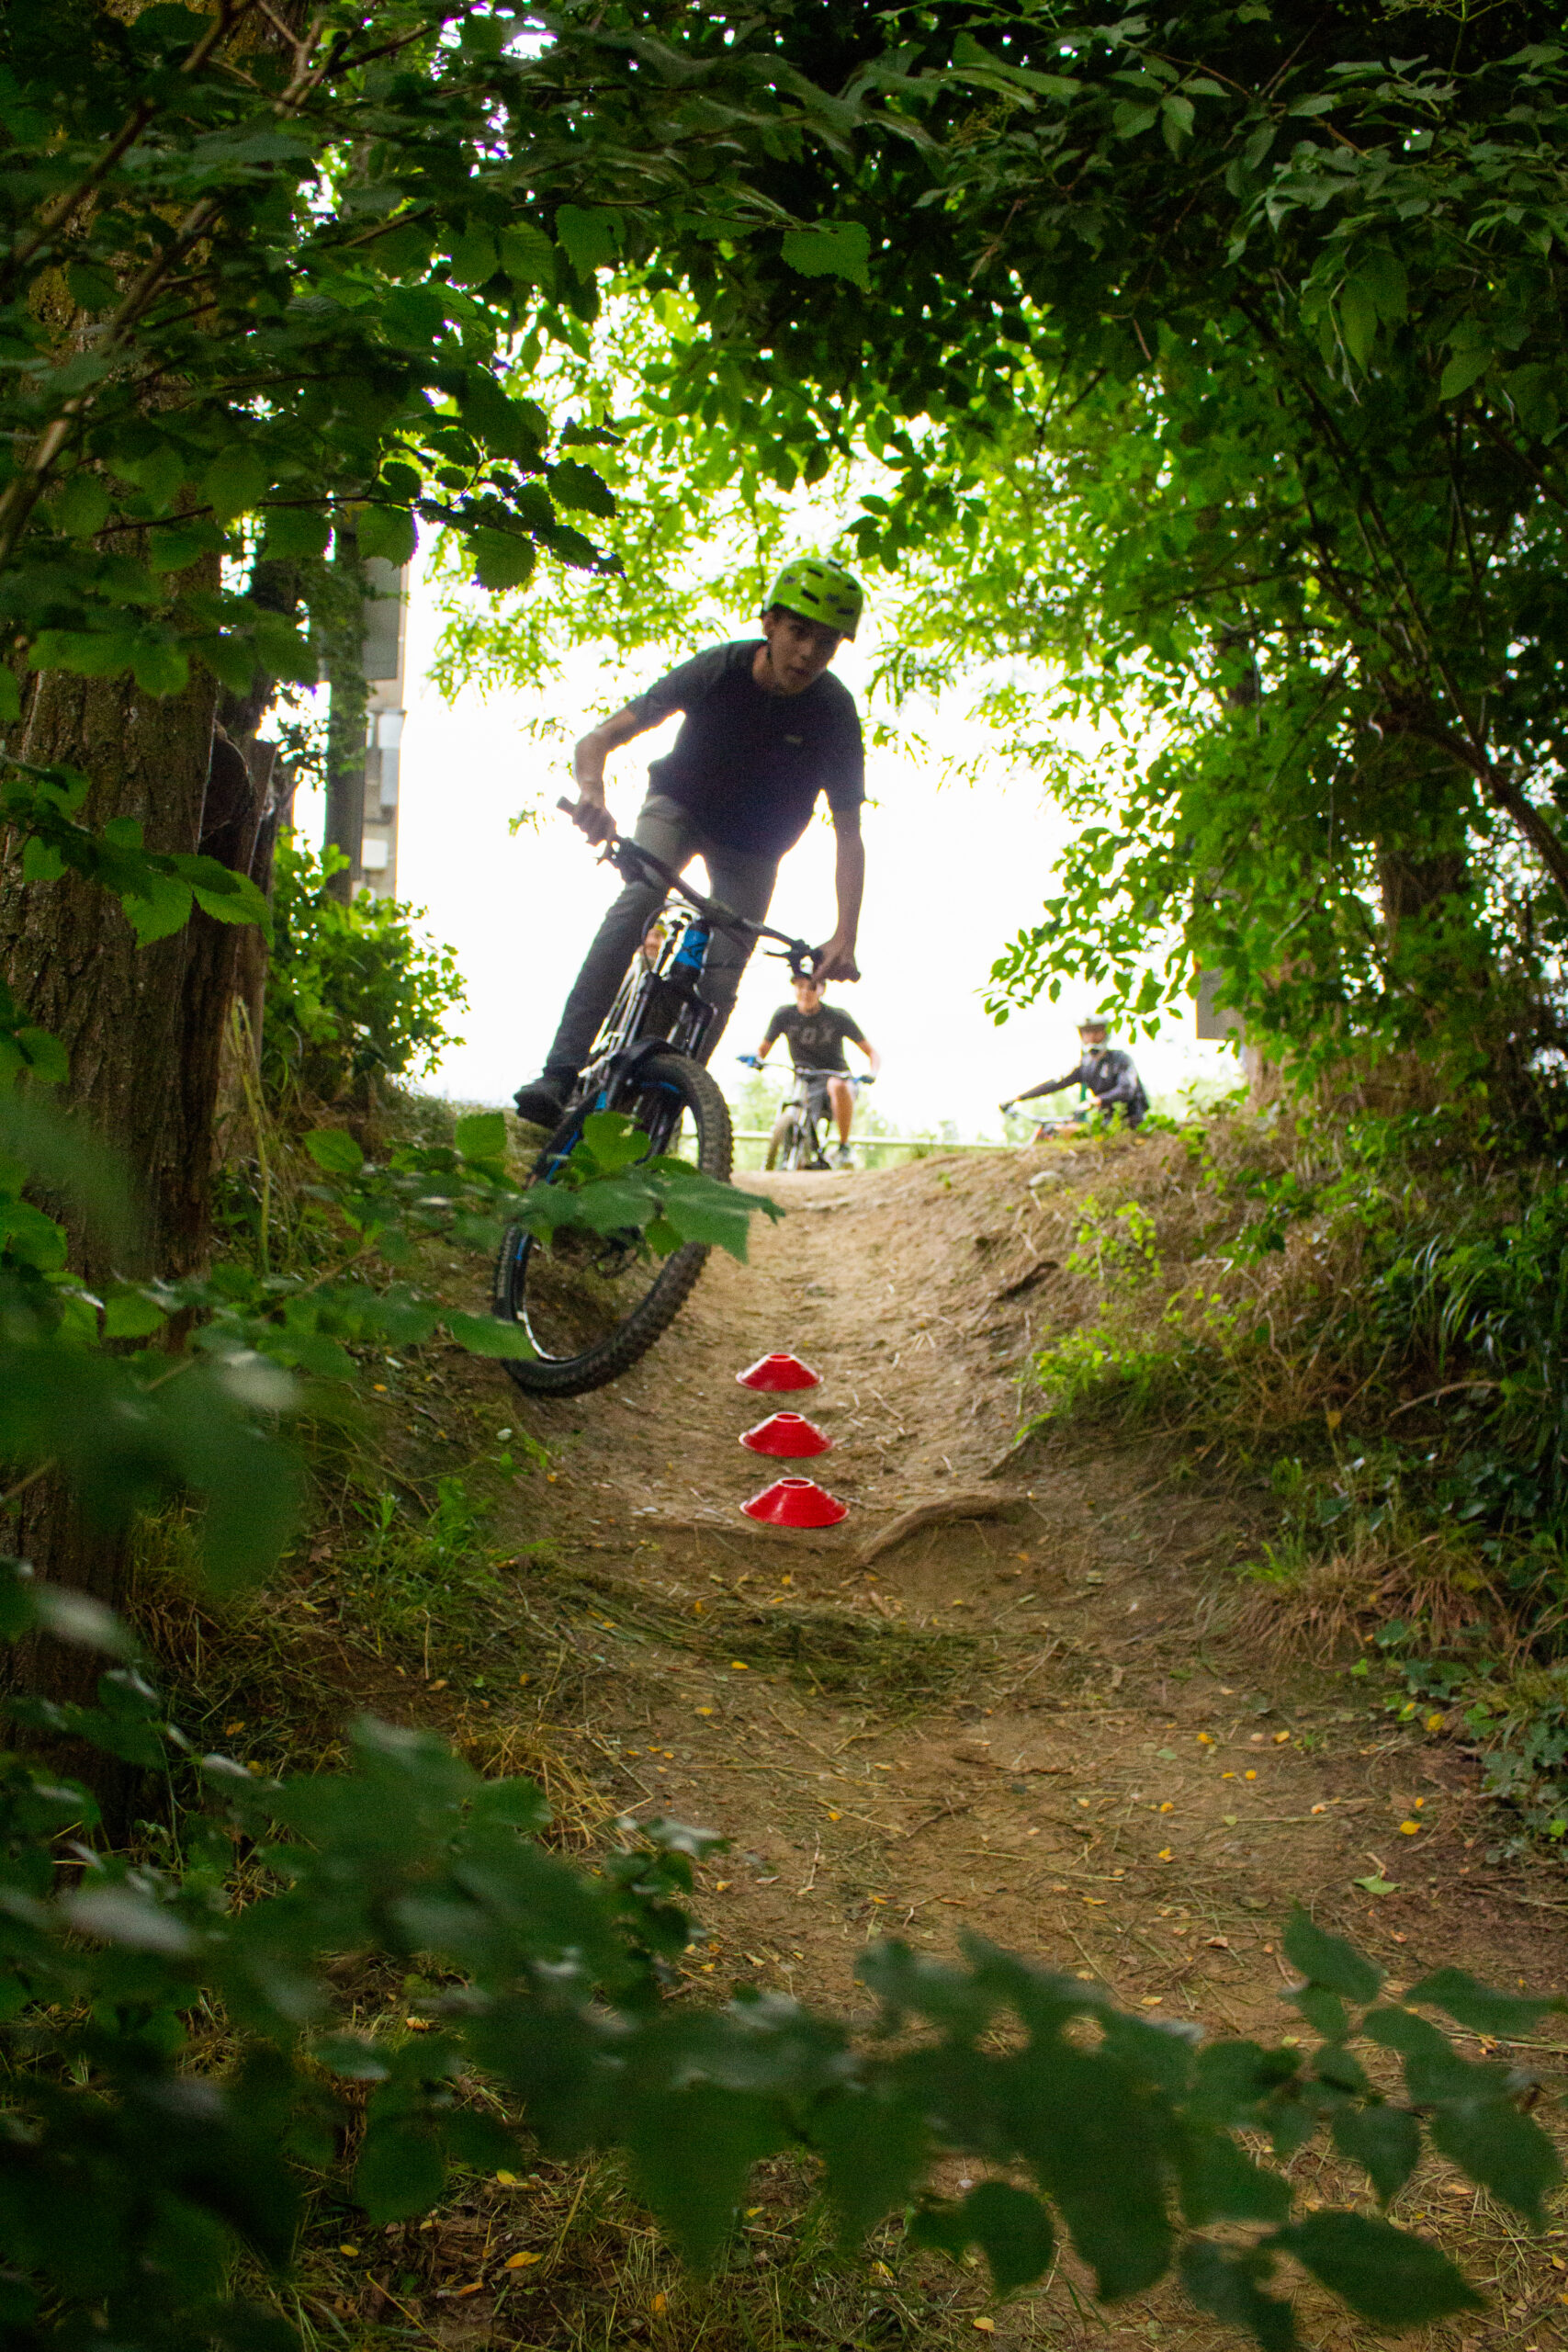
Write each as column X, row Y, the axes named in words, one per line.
column 590, row 817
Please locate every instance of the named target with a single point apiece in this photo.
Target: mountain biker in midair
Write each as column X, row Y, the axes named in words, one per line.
column 816, row 1035
column 765, row 730
column 1105, row 1071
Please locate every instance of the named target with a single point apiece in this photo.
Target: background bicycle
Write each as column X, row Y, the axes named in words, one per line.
column 592, row 1302
column 799, row 1136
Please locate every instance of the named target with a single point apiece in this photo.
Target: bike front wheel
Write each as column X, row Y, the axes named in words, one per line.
column 593, row 1304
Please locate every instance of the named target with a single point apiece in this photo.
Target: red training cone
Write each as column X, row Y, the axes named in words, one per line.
column 795, row 1502
column 778, row 1372
column 789, row 1435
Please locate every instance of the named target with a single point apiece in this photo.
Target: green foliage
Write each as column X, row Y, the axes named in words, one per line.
column 335, row 242
column 351, row 991
column 403, row 1577
column 140, row 2169
column 131, row 1427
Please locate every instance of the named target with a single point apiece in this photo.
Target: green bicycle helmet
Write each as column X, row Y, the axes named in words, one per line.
column 819, row 589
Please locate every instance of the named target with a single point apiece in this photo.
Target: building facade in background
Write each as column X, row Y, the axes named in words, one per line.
column 385, row 638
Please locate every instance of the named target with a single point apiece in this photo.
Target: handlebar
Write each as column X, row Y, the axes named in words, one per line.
column 637, row 864
column 850, row 1077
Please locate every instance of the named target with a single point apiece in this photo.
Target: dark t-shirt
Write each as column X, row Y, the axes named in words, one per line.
column 816, row 1039
column 749, row 765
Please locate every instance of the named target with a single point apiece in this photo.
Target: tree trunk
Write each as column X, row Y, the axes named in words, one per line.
column 71, row 955
column 120, row 1011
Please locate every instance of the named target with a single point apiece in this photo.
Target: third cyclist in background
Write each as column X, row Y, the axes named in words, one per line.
column 1106, row 1073
column 816, row 1035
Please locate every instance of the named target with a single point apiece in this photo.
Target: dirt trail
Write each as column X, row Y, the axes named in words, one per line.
column 1033, row 1725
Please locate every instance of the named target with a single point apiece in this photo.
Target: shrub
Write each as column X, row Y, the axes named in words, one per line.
column 352, row 991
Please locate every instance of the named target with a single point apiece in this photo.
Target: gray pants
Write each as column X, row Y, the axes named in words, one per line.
column 740, row 879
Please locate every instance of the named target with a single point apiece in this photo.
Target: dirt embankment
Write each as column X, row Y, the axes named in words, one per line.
column 1031, row 1724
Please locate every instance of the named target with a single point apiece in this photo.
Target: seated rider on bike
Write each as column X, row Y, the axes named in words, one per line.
column 817, row 1033
column 766, row 729
column 1107, row 1071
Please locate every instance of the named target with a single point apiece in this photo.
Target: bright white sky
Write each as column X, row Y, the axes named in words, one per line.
column 952, row 873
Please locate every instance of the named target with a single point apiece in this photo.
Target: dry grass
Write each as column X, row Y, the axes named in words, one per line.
column 1314, row 1608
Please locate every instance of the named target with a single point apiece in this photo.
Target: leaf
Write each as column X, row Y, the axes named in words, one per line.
column 1220, row 2183
column 1383, row 275
column 1390, row 2278
column 475, row 258
column 581, row 487
column 692, row 2150
column 1384, row 2141
column 129, row 1314
column 874, row 2150
column 527, row 257
column 399, row 2172
column 334, row 1150
column 590, row 238
column 482, row 1135
column 830, row 249
column 1357, row 319
column 1012, row 2228
column 81, row 506
column 1176, row 121
column 1329, row 1961
column 296, row 530
column 388, row 532
column 1462, row 370
column 159, row 666
column 1507, row 2153
column 499, row 560
column 157, row 906
column 1227, row 2285
column 235, row 482
column 1534, row 391
column 487, row 1335
column 1478, row 2007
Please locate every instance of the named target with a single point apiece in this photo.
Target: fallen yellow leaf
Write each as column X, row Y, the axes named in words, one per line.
column 508, row 2180
column 521, row 2261
column 1168, row 1807
column 659, row 2303
column 985, row 2327
column 738, row 1666
column 1249, row 1776
column 348, row 2249
column 1435, row 1722
column 1165, row 1853
column 704, row 1711
column 417, row 2024
column 1409, row 1828
column 1281, row 1737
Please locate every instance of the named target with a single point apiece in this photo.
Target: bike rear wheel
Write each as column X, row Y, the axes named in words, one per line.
column 592, row 1303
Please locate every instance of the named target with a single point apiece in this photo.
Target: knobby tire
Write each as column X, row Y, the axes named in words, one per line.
column 572, row 1376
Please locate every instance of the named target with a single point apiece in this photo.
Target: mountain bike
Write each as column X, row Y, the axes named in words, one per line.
column 592, row 1303
column 798, row 1133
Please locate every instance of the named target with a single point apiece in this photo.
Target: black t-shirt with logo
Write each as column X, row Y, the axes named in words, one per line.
column 748, row 764
column 816, row 1039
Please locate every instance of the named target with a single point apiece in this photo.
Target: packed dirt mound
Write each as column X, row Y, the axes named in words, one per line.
column 999, row 1698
